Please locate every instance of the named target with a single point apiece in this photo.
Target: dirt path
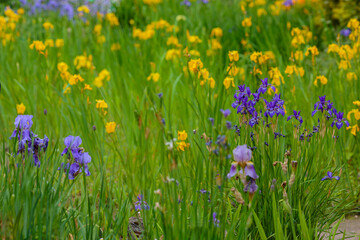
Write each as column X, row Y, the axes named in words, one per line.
column 352, row 227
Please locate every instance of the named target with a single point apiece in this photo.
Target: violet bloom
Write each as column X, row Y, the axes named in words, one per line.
column 275, row 106
column 338, row 119
column 81, row 159
column 242, row 154
column 26, row 137
column 211, row 120
column 322, row 105
column 297, row 116
column 345, row 32
column 288, row 3
column 242, row 103
column 140, row 204
column 255, row 119
column 228, row 124
column 265, row 85
column 225, row 112
column 251, row 187
column 249, row 171
column 215, row 220
column 186, row 3
column 330, row 176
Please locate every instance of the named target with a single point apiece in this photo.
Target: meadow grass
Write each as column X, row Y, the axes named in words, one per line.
column 182, row 187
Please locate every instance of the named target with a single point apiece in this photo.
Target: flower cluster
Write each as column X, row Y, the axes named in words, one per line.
column 27, row 140
column 77, row 158
column 141, row 204
column 242, row 156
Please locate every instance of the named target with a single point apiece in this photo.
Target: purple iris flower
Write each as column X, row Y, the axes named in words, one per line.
column 215, row 220
column 288, row 3
column 255, row 119
column 186, row 3
column 26, row 137
column 211, row 120
column 265, row 85
column 249, row 171
column 228, row 124
column 322, row 105
column 81, row 158
column 141, row 204
column 338, row 119
column 251, row 186
column 275, row 106
column 330, row 176
column 297, row 116
column 72, row 143
column 225, row 112
column 345, row 32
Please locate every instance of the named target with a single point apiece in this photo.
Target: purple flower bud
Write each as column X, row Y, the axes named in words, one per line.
column 242, row 154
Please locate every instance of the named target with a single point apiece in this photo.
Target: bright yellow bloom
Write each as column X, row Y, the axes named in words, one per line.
column 101, row 39
column 192, row 38
column 228, row 81
column 153, row 76
column 152, row 2
column 312, row 50
column 258, row 57
column 182, row 145
column 356, row 113
column 62, row 67
column 333, row 48
column 233, row 70
column 172, row 41
column 261, row 12
column 203, row 73
column 216, row 32
column 101, row 104
column 215, row 44
column 49, row 43
column 233, row 56
column 97, row 29
column 357, row 103
column 110, row 127
column 211, row 82
column 323, row 80
column 83, row 61
column 354, row 129
column 20, row 11
column 246, row 22
column 48, row 25
column 87, row 87
column 20, row 108
column 172, row 54
column 38, row 45
column 115, row 47
column 74, row 79
column 182, row 135
column 83, row 9
column 112, row 19
column 344, row 64
column 351, row 76
column 59, row 43
column 299, row 56
column 194, row 53
column 195, row 65
column 276, row 76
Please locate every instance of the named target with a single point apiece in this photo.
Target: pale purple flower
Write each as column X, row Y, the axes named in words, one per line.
column 242, row 154
column 330, row 176
column 225, row 112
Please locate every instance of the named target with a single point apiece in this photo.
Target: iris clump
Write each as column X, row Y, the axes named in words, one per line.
column 27, row 140
column 141, row 204
column 77, row 158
